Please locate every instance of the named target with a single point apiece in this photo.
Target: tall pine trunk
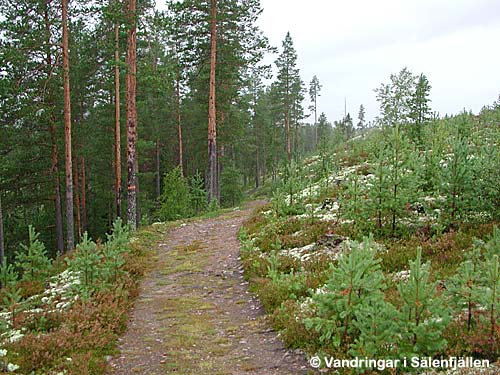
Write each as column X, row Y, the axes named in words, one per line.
column 67, row 132
column 257, row 166
column 118, row 156
column 296, row 137
column 2, row 240
column 53, row 139
column 212, row 132
column 179, row 121
column 57, row 189
column 84, row 194
column 157, row 172
column 287, row 130
column 131, row 118
column 257, row 155
column 315, row 122
column 264, row 162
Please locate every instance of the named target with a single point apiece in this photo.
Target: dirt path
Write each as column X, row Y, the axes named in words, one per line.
column 195, row 314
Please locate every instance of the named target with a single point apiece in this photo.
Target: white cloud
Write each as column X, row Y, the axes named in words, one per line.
column 353, row 46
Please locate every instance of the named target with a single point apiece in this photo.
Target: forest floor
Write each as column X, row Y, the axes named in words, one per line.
column 194, row 313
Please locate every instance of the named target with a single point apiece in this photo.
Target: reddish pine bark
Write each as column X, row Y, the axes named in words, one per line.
column 67, row 131
column 212, row 130
column 131, row 118
column 52, row 130
column 84, row 194
column 179, row 123
column 118, row 157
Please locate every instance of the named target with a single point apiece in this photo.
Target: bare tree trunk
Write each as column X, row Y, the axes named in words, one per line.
column 158, row 176
column 264, row 162
column 77, row 200
column 52, row 130
column 138, row 213
column 67, row 131
column 287, row 132
column 57, row 189
column 2, row 240
column 257, row 155
column 315, row 122
column 257, row 167
column 212, row 132
column 118, row 156
column 179, row 122
column 131, row 118
column 84, row 194
column 296, row 140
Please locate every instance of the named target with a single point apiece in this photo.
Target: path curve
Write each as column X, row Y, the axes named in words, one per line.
column 194, row 314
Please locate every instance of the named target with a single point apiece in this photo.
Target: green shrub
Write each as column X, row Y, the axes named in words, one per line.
column 198, row 193
column 175, row 199
column 33, row 260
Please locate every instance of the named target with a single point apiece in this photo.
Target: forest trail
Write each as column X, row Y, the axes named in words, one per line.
column 194, row 314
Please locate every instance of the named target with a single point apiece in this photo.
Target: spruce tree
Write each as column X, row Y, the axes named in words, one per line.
column 175, row 199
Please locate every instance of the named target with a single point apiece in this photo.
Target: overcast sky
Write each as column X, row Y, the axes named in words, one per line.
column 354, row 45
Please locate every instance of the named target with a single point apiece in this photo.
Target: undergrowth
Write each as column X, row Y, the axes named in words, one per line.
column 434, row 288
column 70, row 323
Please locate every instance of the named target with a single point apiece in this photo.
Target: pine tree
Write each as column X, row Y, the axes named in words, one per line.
column 361, row 120
column 377, row 329
column 379, row 189
column 424, row 315
column 464, row 286
column 420, row 112
column 491, row 298
column 132, row 182
column 288, row 76
column 33, row 260
column 353, row 204
column 212, row 176
column 314, row 92
column 67, row 131
column 396, row 179
column 355, row 284
column 86, row 262
column 324, row 130
column 403, row 177
column 456, row 176
column 118, row 157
